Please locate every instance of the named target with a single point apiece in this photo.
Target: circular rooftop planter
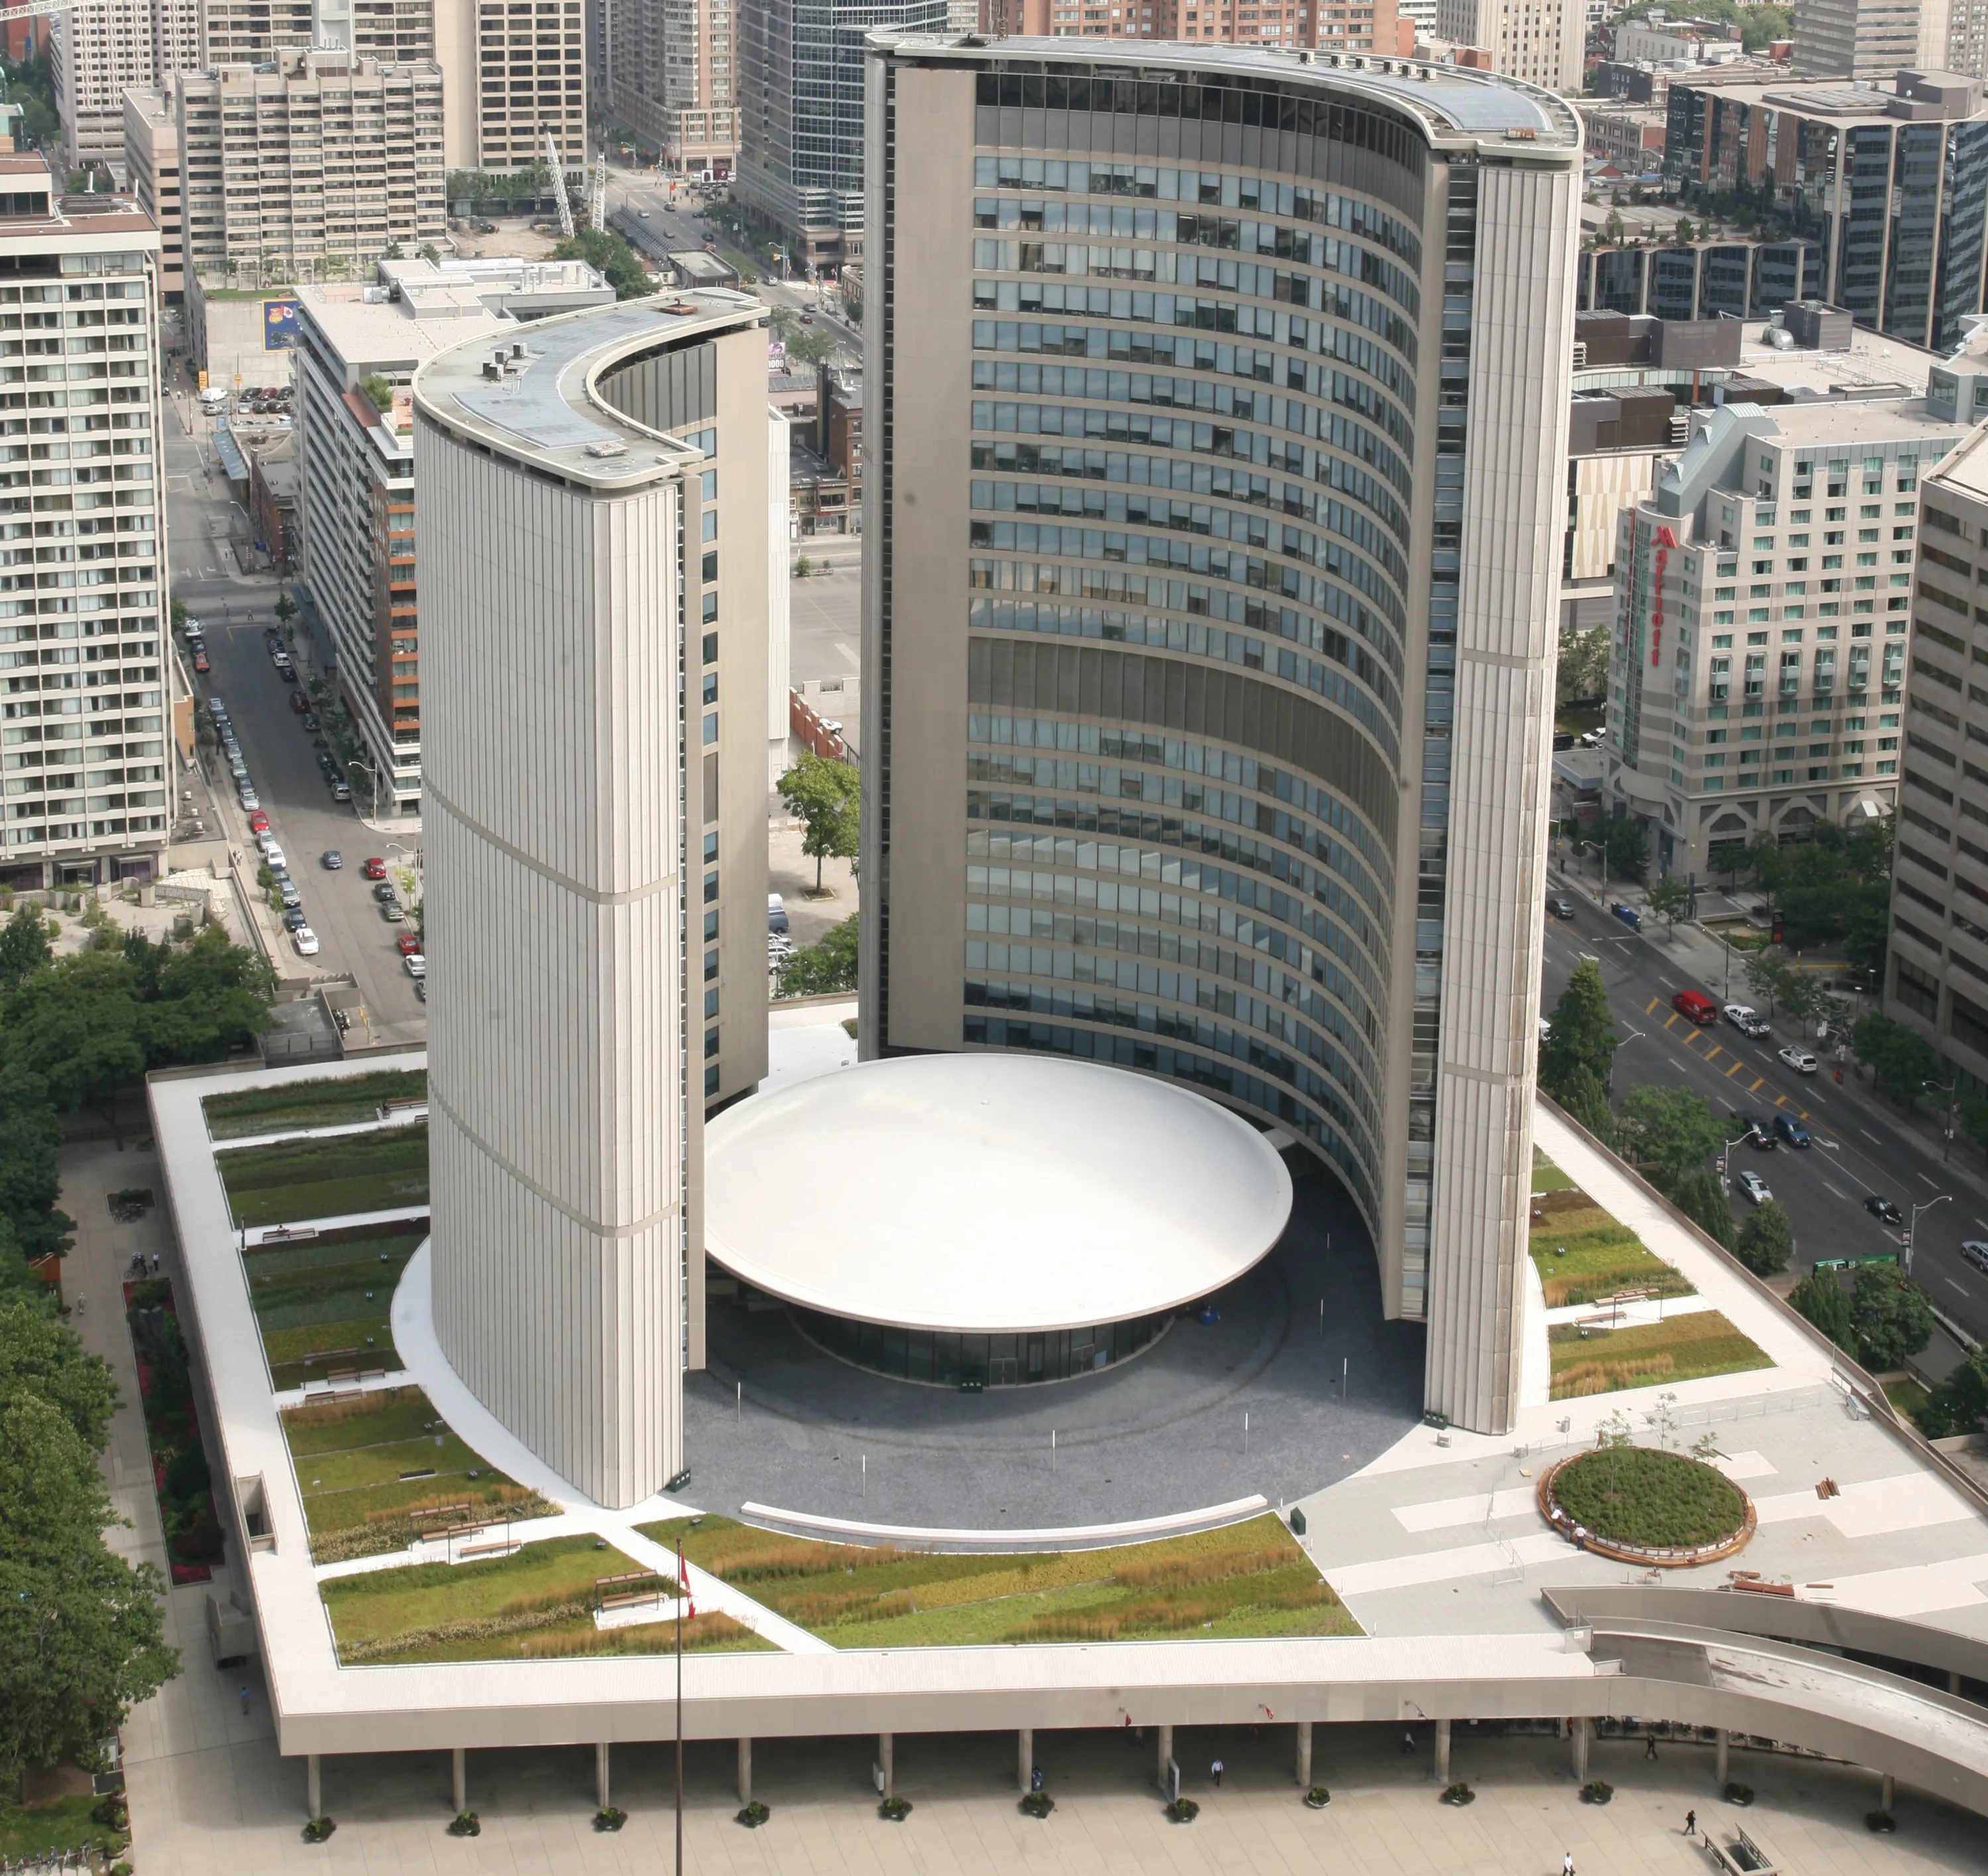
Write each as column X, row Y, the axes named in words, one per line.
column 1642, row 1505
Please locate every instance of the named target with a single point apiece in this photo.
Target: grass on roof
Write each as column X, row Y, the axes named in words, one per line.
column 538, row 1602
column 325, row 1178
column 1680, row 1348
column 372, row 1474
column 1248, row 1579
column 328, row 1103
column 324, row 1305
column 1547, row 1177
column 1583, row 1254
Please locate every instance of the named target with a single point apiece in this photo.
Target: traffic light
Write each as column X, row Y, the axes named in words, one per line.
column 1774, row 933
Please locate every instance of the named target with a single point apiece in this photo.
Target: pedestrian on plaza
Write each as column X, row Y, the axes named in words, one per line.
column 79, row 1302
column 1214, row 1772
column 1691, row 1823
column 1409, row 1740
column 1566, row 1864
column 244, row 1700
column 1650, row 1747
column 155, row 1263
column 1035, row 1778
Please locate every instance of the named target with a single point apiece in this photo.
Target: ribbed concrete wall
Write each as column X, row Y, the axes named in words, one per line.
column 1514, row 511
column 555, row 1067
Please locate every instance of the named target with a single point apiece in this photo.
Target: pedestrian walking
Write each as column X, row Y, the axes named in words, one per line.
column 79, row 1302
column 155, row 1263
column 1691, row 1823
column 1035, row 1778
column 1214, row 1772
column 1409, row 1740
column 1566, row 1864
column 1650, row 1747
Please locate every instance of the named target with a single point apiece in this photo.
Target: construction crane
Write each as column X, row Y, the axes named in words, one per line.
column 559, row 182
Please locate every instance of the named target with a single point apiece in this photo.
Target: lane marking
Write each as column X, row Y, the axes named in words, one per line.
column 1872, row 1138
column 1844, row 1196
column 1666, row 982
column 1951, row 1285
column 1930, row 1179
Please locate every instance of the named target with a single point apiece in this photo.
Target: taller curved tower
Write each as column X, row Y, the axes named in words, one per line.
column 1218, row 414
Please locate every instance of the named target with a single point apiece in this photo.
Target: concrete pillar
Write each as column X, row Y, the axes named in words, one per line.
column 744, row 1771
column 1953, row 1681
column 459, row 1767
column 1304, row 1754
column 600, row 1775
column 883, row 1743
column 1888, row 1792
column 1166, row 1752
column 313, row 1785
column 1578, row 1729
column 1725, row 1763
column 1443, row 1751
column 1025, row 1757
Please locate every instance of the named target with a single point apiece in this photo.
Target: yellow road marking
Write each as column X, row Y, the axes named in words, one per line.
column 1713, row 1053
column 1739, row 1064
column 1754, row 1087
column 1649, row 1008
column 1670, row 1019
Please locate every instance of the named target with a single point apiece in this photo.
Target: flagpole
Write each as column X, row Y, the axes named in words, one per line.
column 683, row 1591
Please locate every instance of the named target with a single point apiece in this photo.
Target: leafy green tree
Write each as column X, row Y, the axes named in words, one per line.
column 1900, row 1060
column 1820, row 1298
column 378, row 392
column 1768, row 978
column 286, row 608
column 75, row 1024
column 177, row 614
column 1669, row 1131
column 1698, row 1194
column 1960, row 1404
column 613, row 256
column 1669, row 899
column 42, row 1360
column 811, row 348
column 827, row 797
column 31, row 1135
column 24, row 946
column 212, row 997
column 1626, row 847
column 827, row 965
column 1580, row 1035
column 1889, row 1316
column 1766, row 1240
column 1586, row 1100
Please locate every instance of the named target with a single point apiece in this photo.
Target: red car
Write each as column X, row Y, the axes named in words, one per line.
column 258, row 822
column 299, row 702
column 408, row 943
column 375, row 869
column 200, row 662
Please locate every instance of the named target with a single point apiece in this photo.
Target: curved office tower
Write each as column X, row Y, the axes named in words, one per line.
column 1217, row 429
column 571, row 535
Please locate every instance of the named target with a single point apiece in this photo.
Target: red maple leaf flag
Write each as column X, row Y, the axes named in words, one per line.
column 683, row 1582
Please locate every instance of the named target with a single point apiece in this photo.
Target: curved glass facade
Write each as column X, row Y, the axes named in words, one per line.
column 944, row 1358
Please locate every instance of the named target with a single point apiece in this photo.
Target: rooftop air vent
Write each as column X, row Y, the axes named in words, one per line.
column 607, row 447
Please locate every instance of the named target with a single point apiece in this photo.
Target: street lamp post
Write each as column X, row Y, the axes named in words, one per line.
column 1634, row 1036
column 1725, row 1162
column 1912, row 1229
column 371, row 772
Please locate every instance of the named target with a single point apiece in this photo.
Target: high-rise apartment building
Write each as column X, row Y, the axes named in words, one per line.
column 1763, row 602
column 1542, row 42
column 257, row 32
column 673, row 77
column 320, row 155
column 99, row 47
column 800, row 125
column 512, row 70
column 1208, row 611
column 1937, row 981
column 592, row 532
column 84, row 761
column 1893, row 184
column 152, row 165
column 1363, row 25
column 1868, row 39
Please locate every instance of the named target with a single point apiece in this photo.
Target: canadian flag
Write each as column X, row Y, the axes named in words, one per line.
column 683, row 1582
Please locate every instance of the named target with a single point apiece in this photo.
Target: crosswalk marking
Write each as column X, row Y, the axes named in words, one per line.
column 1738, row 1065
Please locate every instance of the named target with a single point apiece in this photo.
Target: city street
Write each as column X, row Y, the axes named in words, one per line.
column 1861, row 1148
column 236, row 609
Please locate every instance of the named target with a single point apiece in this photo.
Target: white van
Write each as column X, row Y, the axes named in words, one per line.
column 213, row 398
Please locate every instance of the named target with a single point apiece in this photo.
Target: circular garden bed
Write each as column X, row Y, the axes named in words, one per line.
column 1645, row 1505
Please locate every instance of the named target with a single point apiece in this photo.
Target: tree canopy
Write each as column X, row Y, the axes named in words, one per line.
column 1580, row 1033
column 1766, row 1240
column 1960, row 1404
column 1698, row 1194
column 1820, row 1298
column 1669, row 1130
column 1889, row 1316
column 827, row 965
column 1834, row 887
column 601, row 247
column 826, row 796
column 1901, row 1060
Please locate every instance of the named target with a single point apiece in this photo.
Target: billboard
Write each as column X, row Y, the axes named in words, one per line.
column 279, row 325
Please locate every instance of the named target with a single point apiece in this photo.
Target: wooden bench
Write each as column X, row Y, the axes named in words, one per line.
column 504, row 1548
column 606, row 1596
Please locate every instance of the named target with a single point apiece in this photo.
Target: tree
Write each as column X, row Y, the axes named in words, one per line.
column 31, row 1135
column 1765, row 864
column 75, row 1024
column 613, row 257
column 825, row 794
column 811, row 348
column 1626, row 847
column 1699, row 1196
column 1768, row 976
column 1670, row 1131
column 1584, row 1099
column 1684, row 233
column 177, row 612
column 1582, row 671
column 23, row 946
column 1960, row 1404
column 1767, row 1240
column 378, row 392
column 1889, row 1316
column 43, row 1361
column 1580, row 1035
column 827, row 965
column 1820, row 1298
column 1899, row 1059
column 1670, row 897
column 286, row 608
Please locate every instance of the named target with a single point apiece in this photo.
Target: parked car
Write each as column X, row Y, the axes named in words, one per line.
column 1883, row 1210
column 384, row 891
column 306, row 941
column 201, row 664
column 217, row 709
column 420, row 989
column 418, row 965
column 299, row 702
column 1788, row 1129
column 1752, row 1130
column 324, row 762
column 1799, row 1059
column 409, row 943
column 333, row 860
column 373, row 867
column 258, row 822
column 1757, row 1190
column 1696, row 1005
column 295, row 919
column 391, row 912
column 1628, row 914
column 1742, row 1017
column 340, row 791
column 250, row 799
column 273, row 857
column 1976, row 1252
column 776, row 913
column 286, row 891
column 309, row 719
column 1560, row 907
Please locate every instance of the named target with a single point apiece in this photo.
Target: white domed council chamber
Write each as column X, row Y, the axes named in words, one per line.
column 985, row 1220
